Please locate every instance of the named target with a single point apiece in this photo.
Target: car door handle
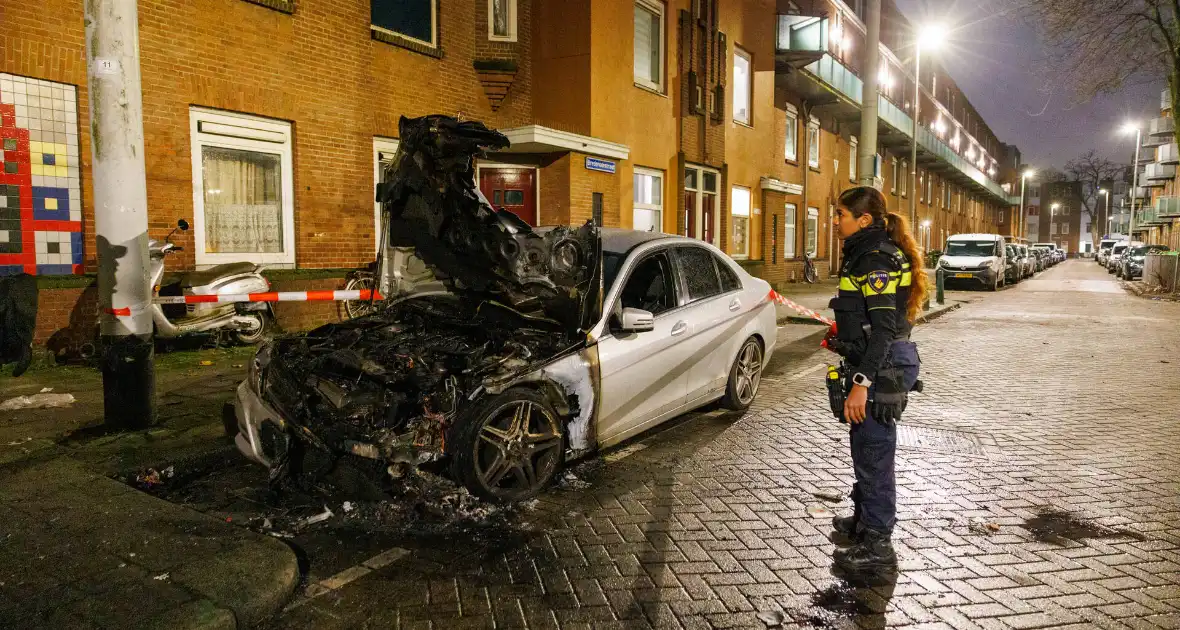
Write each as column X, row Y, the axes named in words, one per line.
column 735, row 304
column 679, row 328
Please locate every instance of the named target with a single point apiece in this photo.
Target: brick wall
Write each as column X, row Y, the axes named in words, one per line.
column 555, row 186
column 583, row 183
column 318, row 68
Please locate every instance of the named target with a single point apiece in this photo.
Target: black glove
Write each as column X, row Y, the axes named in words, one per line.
column 889, row 396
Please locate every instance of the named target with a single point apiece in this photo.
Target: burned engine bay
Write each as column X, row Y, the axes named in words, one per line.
column 390, row 386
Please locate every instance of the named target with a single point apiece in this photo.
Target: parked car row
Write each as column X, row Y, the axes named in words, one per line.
column 989, row 261
column 1126, row 262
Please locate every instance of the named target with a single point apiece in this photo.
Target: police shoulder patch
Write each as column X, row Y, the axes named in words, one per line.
column 876, row 281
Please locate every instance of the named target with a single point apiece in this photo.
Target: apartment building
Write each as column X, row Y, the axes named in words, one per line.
column 1061, row 216
column 266, row 123
column 1157, row 199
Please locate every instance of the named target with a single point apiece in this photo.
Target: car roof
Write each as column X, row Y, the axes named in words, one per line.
column 623, row 240
column 975, row 237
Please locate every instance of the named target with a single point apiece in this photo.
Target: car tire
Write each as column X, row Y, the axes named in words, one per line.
column 745, row 375
column 510, row 447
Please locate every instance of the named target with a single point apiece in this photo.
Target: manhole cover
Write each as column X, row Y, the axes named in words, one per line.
column 939, row 440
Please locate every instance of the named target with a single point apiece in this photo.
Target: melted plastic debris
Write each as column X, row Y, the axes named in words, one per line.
column 37, row 401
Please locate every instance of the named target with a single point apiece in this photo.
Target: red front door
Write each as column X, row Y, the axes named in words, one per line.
column 511, row 189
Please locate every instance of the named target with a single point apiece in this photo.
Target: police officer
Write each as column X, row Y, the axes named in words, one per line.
column 882, row 288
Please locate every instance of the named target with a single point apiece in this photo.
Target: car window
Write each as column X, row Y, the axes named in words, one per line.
column 700, row 272
column 729, row 279
column 650, row 287
column 971, row 248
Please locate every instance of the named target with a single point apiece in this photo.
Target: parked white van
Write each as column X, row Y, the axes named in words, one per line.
column 974, row 259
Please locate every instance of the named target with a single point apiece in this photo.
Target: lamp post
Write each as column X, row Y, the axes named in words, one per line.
column 1024, row 177
column 1093, row 241
column 1128, row 128
column 930, row 38
column 1053, row 221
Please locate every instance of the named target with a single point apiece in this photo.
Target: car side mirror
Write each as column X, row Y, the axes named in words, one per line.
column 183, row 225
column 634, row 320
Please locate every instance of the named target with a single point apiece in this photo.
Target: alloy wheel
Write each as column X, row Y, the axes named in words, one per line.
column 518, row 450
column 749, row 372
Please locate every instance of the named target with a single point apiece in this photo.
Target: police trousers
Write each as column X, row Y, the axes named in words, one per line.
column 874, row 445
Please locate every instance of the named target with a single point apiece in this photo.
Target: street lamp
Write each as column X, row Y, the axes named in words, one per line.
column 929, row 37
column 1103, row 191
column 1128, row 128
column 1024, row 177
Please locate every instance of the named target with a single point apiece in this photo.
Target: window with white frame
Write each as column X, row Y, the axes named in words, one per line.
column 413, row 20
column 946, row 195
column 743, row 86
column 740, row 209
column 921, row 187
column 384, row 150
column 790, row 237
column 649, row 44
column 905, row 178
column 812, row 231
column 852, row 160
column 502, row 20
column 648, row 200
column 791, row 139
column 929, row 188
column 893, row 184
column 1064, row 229
column 243, row 196
column 813, row 143
column 702, row 203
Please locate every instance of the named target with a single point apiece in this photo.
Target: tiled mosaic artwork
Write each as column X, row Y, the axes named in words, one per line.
column 40, row 186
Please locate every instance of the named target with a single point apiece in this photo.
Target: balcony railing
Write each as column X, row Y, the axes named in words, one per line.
column 1143, row 192
column 1167, row 154
column 1167, row 207
column 1162, row 127
column 802, row 33
column 1166, row 99
column 1146, row 155
column 1159, row 173
column 833, row 73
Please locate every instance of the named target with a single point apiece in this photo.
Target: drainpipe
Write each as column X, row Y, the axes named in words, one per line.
column 806, row 162
column 120, row 212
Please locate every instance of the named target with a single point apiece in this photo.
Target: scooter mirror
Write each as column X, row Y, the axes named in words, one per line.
column 183, row 225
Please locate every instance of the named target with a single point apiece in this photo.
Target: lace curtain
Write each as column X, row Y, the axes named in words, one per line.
column 243, row 201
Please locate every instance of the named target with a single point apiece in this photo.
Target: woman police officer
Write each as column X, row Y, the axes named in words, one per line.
column 882, row 288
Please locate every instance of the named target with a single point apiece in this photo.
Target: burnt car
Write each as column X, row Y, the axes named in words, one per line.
column 503, row 351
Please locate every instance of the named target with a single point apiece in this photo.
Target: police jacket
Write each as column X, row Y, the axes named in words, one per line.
column 871, row 303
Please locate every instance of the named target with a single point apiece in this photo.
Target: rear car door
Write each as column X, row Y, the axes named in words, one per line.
column 644, row 375
column 714, row 307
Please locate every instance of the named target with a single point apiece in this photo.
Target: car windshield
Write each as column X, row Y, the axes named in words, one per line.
column 971, row 248
column 1106, row 245
column 1118, row 249
column 1142, row 251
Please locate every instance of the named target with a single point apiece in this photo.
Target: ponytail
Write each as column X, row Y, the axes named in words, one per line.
column 898, row 229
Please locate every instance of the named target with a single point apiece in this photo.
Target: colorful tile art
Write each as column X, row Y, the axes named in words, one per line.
column 40, row 186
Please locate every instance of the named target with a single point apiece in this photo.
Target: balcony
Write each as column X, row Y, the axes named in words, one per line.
column 1146, row 155
column 1161, row 173
column 1142, row 192
column 804, row 65
column 1167, row 207
column 1159, row 131
column 801, row 40
column 1168, row 154
column 1165, row 99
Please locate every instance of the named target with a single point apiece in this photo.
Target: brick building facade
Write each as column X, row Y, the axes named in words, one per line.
column 688, row 116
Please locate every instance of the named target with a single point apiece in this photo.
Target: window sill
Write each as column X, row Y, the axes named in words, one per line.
column 743, row 124
column 504, row 39
column 282, row 6
column 394, row 39
column 651, row 90
column 814, row 169
column 792, row 161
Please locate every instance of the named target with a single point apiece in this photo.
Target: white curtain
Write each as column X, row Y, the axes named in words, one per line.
column 243, row 202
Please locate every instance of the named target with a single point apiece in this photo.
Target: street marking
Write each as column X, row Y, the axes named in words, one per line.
column 349, row 575
column 806, row 371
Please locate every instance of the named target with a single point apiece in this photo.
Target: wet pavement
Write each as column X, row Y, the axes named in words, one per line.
column 1038, row 484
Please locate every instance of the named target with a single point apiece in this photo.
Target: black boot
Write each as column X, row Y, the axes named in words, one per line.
column 872, row 559
column 844, row 530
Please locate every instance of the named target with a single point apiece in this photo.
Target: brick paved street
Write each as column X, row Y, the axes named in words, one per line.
column 1050, row 415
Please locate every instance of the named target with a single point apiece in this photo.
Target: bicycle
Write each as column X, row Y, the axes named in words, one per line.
column 810, row 275
column 359, row 279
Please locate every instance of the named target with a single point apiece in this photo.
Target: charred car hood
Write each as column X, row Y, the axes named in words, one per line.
column 430, row 202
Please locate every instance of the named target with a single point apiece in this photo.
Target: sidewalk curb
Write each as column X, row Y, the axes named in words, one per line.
column 929, row 317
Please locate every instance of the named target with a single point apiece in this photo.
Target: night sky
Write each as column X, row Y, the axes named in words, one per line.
column 989, row 55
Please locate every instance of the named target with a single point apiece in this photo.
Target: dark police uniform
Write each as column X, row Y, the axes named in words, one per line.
column 873, row 337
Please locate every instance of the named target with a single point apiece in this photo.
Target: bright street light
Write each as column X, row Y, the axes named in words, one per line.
column 1130, row 127
column 926, row 223
column 932, row 36
column 1028, row 173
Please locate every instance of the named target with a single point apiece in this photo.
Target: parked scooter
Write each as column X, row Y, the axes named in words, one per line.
column 249, row 322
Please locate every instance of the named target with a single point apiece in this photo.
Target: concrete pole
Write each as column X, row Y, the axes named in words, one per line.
column 866, row 152
column 914, row 145
column 120, row 211
column 1023, row 179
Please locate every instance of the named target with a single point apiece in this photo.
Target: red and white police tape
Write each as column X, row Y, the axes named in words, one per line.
column 270, row 296
column 802, row 310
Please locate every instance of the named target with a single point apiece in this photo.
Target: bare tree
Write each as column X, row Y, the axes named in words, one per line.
column 1093, row 173
column 1099, row 46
